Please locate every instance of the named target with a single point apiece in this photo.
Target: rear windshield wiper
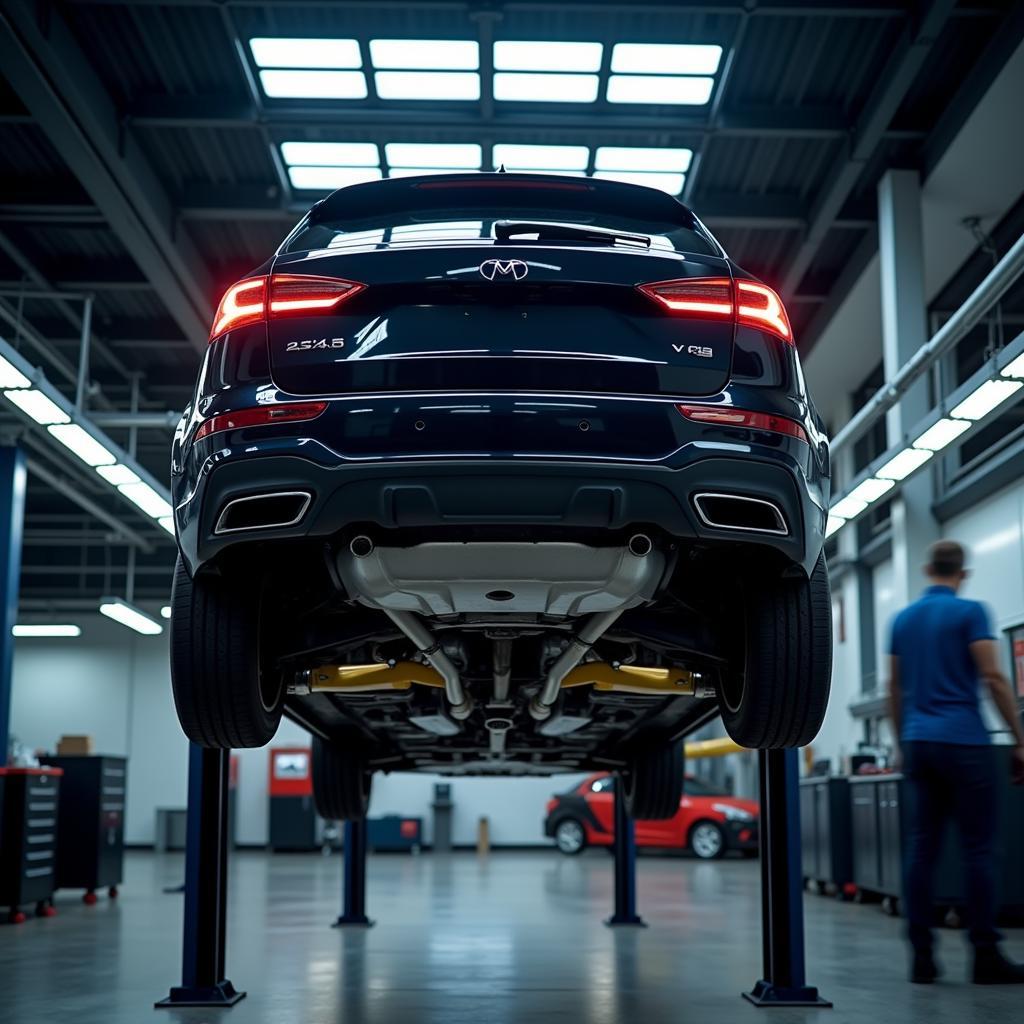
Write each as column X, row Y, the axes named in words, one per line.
column 546, row 231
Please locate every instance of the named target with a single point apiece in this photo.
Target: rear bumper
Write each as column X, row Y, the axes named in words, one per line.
column 742, row 835
column 452, row 490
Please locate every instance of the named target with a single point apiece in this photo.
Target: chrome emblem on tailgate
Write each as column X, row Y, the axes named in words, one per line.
column 504, row 268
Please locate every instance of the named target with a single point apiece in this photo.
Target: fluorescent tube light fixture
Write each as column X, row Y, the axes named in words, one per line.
column 533, row 87
column 659, row 89
column 331, row 154
column 40, row 629
column 37, row 406
column 81, row 443
column 666, row 58
column 439, row 54
column 545, row 55
column 428, row 85
column 167, row 522
column 984, row 399
column 130, row 616
column 118, row 474
column 941, row 434
column 847, row 508
column 670, row 183
column 317, row 85
column 1014, row 368
column 900, row 466
column 165, row 612
column 276, row 52
column 870, row 490
column 147, row 499
column 11, row 376
column 834, row 523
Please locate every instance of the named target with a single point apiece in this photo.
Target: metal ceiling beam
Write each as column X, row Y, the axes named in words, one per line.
column 54, row 80
column 908, row 57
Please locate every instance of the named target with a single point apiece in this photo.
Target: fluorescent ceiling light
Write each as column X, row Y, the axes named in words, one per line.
column 317, row 85
column 451, row 54
column 670, row 183
column 900, row 466
column 130, row 616
column 11, row 376
column 433, row 154
column 167, row 522
column 305, row 53
column 834, row 523
column 331, row 154
column 539, row 88
column 847, row 508
column 324, row 179
column 666, row 58
column 118, row 474
column 82, row 444
column 428, row 85
column 517, row 157
column 636, row 158
column 945, row 432
column 658, row 89
column 870, row 490
column 46, row 629
column 984, row 399
column 1015, row 368
column 537, row 55
column 147, row 499
column 36, row 405
column 165, row 612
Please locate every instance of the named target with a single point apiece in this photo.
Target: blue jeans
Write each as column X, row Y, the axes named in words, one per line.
column 947, row 780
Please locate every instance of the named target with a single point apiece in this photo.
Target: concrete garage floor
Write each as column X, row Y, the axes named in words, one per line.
column 516, row 937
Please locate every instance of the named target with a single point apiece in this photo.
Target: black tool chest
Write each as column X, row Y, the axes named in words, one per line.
column 28, row 839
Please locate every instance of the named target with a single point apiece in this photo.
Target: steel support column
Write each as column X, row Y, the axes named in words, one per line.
column 782, row 912
column 353, row 878
column 12, row 520
column 206, row 880
column 625, row 865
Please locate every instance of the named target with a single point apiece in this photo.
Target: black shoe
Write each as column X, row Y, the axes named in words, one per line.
column 992, row 968
column 924, row 970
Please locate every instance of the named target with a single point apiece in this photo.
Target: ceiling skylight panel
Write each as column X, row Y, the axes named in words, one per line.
column 517, row 157
column 637, row 158
column 427, row 85
column 432, row 54
column 670, row 183
column 331, row 154
column 326, row 179
column 545, row 88
column 666, row 58
column 454, row 155
column 278, row 52
column 659, row 89
column 546, row 55
column 320, row 85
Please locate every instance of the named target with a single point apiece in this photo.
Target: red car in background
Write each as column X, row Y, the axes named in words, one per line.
column 708, row 822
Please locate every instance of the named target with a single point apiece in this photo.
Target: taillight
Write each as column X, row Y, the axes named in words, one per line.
column 260, row 416
column 727, row 416
column 290, row 295
column 745, row 302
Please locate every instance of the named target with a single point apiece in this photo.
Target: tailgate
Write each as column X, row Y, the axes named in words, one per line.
column 492, row 316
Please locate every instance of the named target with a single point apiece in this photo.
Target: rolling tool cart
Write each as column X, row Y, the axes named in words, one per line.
column 826, row 834
column 394, row 834
column 28, row 839
column 90, row 850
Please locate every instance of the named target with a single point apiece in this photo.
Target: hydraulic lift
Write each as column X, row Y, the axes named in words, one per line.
column 203, row 952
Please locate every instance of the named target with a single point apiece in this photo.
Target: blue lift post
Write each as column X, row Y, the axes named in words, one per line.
column 353, row 877
column 782, row 911
column 206, row 879
column 12, row 521
column 624, row 849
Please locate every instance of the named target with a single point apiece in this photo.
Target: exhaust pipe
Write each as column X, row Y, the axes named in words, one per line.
column 737, row 512
column 593, row 629
column 263, row 511
column 462, row 706
column 502, row 669
column 499, row 730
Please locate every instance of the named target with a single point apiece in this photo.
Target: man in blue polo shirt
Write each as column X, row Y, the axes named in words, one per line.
column 942, row 649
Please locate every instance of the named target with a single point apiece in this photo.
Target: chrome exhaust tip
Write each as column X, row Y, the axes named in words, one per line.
column 737, row 512
column 640, row 545
column 263, row 511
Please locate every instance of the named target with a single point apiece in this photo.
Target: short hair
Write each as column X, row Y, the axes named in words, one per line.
column 946, row 558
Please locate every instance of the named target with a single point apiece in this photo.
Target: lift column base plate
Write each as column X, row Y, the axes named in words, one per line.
column 221, row 994
column 766, row 994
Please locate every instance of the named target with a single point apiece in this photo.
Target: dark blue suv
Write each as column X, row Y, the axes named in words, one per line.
column 500, row 473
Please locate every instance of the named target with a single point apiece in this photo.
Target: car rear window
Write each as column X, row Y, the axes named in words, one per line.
column 396, row 212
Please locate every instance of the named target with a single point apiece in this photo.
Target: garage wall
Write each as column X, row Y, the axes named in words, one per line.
column 114, row 685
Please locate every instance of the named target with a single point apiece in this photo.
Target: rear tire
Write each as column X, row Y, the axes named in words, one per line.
column 341, row 782
column 653, row 784
column 778, row 696
column 224, row 695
